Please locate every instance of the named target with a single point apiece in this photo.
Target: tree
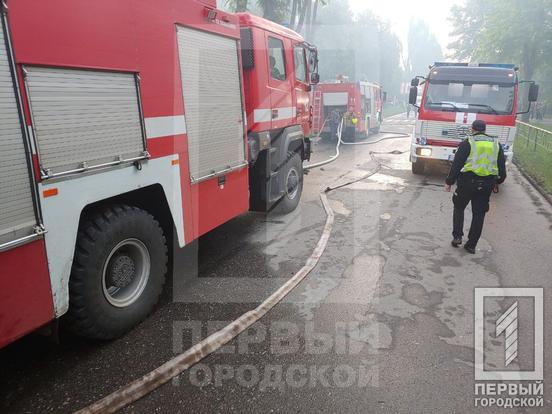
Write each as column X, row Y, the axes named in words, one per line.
column 507, row 31
column 362, row 47
column 299, row 15
column 275, row 10
column 237, row 5
column 423, row 48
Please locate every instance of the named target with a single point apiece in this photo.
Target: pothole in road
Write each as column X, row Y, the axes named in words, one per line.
column 417, row 295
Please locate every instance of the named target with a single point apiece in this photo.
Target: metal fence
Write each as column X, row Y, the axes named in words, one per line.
column 534, row 138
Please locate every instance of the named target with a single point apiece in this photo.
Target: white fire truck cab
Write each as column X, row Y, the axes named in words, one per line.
column 456, row 94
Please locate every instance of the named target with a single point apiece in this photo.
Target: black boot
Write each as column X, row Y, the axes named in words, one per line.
column 469, row 249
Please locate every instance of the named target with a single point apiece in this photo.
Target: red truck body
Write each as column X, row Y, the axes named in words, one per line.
column 363, row 100
column 274, row 103
column 130, row 102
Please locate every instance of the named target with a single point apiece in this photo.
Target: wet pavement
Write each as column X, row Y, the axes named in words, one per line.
column 385, row 323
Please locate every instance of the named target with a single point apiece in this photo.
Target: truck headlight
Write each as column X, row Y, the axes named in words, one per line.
column 425, row 152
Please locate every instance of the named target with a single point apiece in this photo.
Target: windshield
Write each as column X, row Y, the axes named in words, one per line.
column 470, row 97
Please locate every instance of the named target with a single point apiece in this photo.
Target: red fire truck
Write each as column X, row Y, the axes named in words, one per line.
column 361, row 103
column 123, row 123
column 456, row 94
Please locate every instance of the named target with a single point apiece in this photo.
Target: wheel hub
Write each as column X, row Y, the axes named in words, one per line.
column 126, row 273
column 292, row 183
column 121, row 270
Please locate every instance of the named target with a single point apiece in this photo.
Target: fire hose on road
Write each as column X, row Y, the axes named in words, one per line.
column 172, row 368
column 341, row 142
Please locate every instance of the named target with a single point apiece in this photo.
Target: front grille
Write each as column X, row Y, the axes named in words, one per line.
column 449, row 131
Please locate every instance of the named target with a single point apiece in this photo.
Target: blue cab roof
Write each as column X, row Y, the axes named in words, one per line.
column 481, row 65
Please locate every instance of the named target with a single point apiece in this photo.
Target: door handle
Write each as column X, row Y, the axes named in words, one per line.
column 274, row 113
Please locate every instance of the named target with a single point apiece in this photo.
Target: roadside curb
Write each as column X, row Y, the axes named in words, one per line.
column 533, row 182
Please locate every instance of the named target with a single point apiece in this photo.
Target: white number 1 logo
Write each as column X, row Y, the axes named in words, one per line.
column 508, row 323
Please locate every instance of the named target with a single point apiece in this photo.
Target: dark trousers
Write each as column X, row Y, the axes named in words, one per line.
column 333, row 129
column 478, row 192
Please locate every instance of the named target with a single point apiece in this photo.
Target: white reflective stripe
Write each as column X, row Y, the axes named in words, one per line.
column 164, row 126
column 465, row 117
column 265, row 115
column 459, row 117
column 286, row 113
column 262, row 115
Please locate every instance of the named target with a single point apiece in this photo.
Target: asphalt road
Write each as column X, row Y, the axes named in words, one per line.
column 385, row 323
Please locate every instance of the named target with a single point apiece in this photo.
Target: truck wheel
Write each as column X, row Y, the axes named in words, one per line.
column 418, row 167
column 292, row 172
column 118, row 272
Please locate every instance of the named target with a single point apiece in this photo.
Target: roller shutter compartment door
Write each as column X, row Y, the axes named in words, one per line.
column 17, row 214
column 336, row 99
column 212, row 102
column 84, row 117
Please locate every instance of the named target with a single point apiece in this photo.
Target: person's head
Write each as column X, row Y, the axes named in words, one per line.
column 272, row 60
column 479, row 126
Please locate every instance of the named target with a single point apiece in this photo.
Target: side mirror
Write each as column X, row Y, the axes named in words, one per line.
column 314, row 78
column 415, row 82
column 413, row 96
column 385, row 97
column 533, row 92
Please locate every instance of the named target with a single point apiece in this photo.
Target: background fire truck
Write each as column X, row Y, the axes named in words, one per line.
column 123, row 125
column 455, row 95
column 360, row 100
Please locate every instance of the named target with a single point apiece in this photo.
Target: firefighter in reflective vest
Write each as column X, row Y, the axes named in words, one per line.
column 479, row 165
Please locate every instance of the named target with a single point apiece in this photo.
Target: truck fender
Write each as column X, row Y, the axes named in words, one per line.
column 292, row 140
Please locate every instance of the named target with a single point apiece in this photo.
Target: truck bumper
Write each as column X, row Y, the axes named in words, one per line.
column 442, row 153
column 430, row 152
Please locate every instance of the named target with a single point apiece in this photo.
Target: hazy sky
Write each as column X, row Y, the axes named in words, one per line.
column 399, row 13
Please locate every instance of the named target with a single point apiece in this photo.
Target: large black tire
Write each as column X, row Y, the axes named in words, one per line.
column 111, row 264
column 292, row 174
column 418, row 167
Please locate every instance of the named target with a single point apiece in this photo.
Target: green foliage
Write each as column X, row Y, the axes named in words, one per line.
column 507, row 31
column 547, row 127
column 536, row 161
column 275, row 10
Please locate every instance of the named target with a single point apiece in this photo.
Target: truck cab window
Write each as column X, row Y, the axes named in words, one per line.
column 300, row 64
column 276, row 59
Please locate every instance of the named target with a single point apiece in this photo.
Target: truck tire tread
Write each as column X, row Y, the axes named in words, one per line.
column 90, row 315
column 287, row 205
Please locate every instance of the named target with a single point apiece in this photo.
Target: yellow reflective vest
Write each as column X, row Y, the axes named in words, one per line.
column 483, row 158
